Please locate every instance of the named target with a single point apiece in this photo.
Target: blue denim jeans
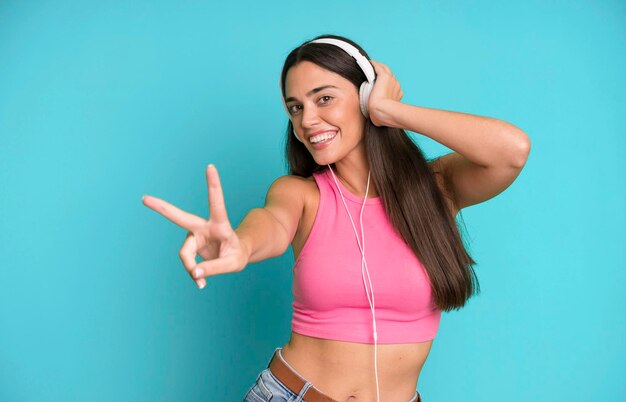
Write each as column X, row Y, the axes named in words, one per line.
column 268, row 388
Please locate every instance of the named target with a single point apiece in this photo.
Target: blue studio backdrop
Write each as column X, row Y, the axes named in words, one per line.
column 103, row 102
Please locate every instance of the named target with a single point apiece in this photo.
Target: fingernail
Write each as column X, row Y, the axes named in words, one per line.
column 201, row 283
column 199, row 272
column 211, row 166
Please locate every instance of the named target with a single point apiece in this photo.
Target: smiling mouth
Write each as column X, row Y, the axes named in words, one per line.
column 323, row 138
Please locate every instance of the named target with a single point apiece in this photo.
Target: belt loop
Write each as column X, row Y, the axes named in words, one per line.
column 303, row 391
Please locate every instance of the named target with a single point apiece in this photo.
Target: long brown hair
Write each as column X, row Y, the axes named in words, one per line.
column 406, row 183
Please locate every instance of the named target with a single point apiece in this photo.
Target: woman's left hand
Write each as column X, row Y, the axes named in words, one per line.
column 386, row 88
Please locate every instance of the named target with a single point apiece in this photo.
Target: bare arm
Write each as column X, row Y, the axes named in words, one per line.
column 267, row 232
column 259, row 232
column 489, row 153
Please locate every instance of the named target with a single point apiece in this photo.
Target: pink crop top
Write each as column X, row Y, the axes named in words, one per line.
column 330, row 300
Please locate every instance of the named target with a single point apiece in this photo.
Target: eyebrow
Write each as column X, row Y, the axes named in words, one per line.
column 311, row 92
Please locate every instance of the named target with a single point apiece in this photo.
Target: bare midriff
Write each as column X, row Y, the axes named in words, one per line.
column 345, row 370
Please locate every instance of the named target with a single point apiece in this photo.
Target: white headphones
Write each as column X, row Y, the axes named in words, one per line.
column 364, row 93
column 362, row 61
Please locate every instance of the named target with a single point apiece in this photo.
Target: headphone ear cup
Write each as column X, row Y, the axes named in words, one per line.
column 364, row 95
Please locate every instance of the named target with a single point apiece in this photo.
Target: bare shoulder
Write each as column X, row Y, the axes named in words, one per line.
column 285, row 200
column 290, row 187
column 299, row 184
column 291, row 183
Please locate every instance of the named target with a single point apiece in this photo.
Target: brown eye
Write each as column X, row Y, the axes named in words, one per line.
column 292, row 111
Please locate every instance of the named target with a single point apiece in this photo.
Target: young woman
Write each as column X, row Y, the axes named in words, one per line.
column 368, row 293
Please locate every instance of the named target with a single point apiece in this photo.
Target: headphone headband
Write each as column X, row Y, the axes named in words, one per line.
column 361, row 60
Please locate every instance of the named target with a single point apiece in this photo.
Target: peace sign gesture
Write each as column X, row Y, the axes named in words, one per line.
column 214, row 239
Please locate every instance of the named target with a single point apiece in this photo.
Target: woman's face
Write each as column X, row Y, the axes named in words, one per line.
column 334, row 108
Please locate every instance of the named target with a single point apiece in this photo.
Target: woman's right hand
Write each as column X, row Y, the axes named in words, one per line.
column 214, row 239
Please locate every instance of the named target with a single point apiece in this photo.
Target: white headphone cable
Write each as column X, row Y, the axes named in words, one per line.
column 371, row 301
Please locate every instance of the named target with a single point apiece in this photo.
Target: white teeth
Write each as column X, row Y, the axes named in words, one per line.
column 322, row 137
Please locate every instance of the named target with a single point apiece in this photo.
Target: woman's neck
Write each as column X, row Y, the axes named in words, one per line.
column 356, row 183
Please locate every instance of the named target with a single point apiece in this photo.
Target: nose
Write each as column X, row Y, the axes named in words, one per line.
column 310, row 118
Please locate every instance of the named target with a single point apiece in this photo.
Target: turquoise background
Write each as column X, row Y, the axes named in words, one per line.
column 102, row 102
